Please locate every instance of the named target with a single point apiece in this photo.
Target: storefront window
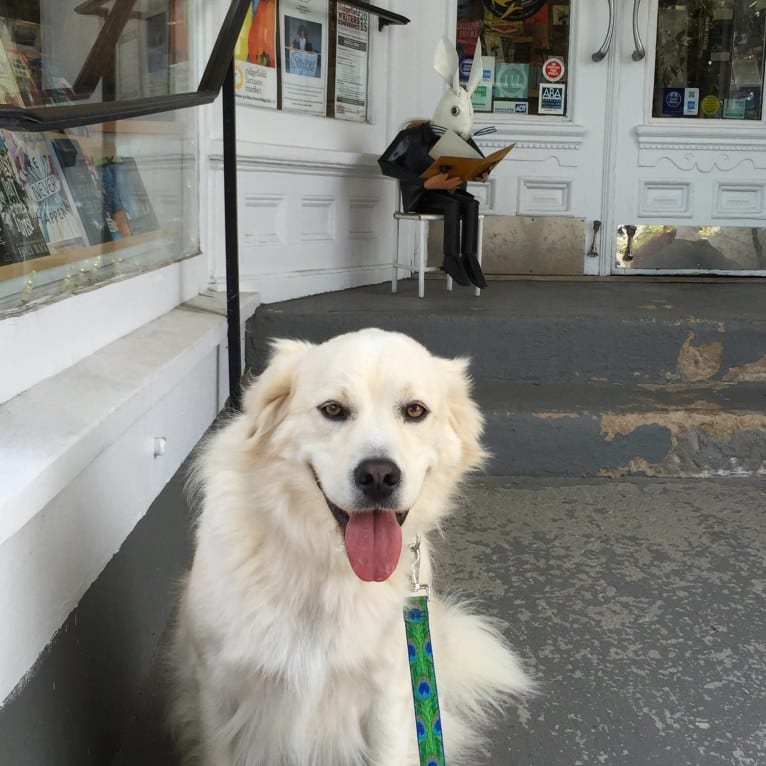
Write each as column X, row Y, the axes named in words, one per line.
column 710, row 58
column 86, row 205
column 310, row 57
column 525, row 54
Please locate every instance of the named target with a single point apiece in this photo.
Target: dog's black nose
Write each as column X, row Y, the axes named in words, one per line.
column 377, row 478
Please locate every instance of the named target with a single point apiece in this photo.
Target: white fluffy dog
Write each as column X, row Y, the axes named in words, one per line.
column 290, row 647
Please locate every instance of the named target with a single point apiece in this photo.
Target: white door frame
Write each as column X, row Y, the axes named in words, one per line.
column 689, row 166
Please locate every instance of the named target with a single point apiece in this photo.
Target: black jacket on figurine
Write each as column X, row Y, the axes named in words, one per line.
column 407, row 157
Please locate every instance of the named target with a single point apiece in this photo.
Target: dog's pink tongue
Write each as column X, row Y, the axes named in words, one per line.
column 373, row 544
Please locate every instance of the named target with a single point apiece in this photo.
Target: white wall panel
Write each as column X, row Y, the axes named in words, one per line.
column 538, row 196
column 264, row 220
column 658, row 198
column 739, row 199
column 317, row 219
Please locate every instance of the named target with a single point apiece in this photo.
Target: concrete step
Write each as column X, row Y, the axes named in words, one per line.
column 651, row 332
column 580, row 378
column 613, row 429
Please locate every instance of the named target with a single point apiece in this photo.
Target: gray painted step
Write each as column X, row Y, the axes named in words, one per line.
column 548, row 331
column 582, row 378
column 607, row 429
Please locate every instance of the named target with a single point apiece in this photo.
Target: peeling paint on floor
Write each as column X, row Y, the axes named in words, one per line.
column 697, row 363
column 752, row 372
column 638, row 605
column 703, row 443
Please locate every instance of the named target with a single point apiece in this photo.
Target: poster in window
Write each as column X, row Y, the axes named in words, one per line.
column 255, row 55
column 303, row 25
column 352, row 63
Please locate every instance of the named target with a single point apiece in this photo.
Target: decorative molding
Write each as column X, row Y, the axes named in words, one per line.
column 701, row 160
column 544, row 196
column 265, row 220
column 532, row 134
column 317, row 219
column 255, row 157
column 660, row 198
column 702, row 146
column 362, row 217
column 703, row 135
column 740, row 199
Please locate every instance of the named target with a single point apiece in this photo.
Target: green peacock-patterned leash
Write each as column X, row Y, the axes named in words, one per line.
column 428, row 720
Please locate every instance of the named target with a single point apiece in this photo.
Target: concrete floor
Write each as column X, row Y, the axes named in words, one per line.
column 639, row 606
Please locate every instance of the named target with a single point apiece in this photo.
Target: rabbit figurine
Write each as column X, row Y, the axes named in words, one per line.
column 407, row 157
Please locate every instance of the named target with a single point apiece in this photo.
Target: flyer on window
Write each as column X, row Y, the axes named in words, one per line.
column 255, row 55
column 352, row 63
column 303, row 27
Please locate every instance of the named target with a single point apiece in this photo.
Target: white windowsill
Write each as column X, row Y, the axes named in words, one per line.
column 52, row 431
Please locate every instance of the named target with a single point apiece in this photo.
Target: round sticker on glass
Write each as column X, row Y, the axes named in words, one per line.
column 710, row 105
column 553, row 69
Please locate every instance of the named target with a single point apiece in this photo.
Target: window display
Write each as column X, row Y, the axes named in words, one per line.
column 525, row 54
column 710, row 59
column 93, row 203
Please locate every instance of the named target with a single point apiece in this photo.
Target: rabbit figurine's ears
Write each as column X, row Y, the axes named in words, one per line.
column 447, row 64
column 455, row 110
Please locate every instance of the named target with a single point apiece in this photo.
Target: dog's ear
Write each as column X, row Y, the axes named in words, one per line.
column 464, row 416
column 265, row 401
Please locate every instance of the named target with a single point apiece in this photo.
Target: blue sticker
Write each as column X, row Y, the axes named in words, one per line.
column 673, row 101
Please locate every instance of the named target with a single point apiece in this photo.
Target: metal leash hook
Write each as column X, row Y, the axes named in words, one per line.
column 415, row 585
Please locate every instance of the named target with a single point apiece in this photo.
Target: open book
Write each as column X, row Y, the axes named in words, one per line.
column 458, row 159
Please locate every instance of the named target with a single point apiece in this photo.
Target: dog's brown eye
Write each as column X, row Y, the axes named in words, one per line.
column 334, row 411
column 414, row 411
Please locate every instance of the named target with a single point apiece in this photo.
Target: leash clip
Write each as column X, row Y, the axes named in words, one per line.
column 421, row 589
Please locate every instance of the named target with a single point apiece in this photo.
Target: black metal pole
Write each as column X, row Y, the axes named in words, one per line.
column 232, row 237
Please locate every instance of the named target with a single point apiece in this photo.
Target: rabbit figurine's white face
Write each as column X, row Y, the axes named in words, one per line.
column 454, row 110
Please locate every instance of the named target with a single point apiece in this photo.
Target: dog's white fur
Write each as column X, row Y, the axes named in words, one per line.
column 282, row 655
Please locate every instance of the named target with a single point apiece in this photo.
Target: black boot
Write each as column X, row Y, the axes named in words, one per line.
column 454, row 268
column 472, row 268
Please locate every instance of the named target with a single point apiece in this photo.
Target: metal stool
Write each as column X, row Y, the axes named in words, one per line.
column 423, row 220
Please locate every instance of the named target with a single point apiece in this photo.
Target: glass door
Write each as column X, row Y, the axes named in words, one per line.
column 688, row 142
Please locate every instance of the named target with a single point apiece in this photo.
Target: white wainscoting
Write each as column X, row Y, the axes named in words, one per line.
column 310, row 221
column 669, row 198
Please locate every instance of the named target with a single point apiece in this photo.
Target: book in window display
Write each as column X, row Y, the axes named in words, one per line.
column 47, row 193
column 21, row 237
column 25, row 80
column 85, row 188
column 21, row 44
column 126, row 198
column 9, row 89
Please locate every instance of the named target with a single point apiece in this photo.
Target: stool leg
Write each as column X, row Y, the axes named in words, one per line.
column 422, row 258
column 479, row 242
column 395, row 275
column 449, row 280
